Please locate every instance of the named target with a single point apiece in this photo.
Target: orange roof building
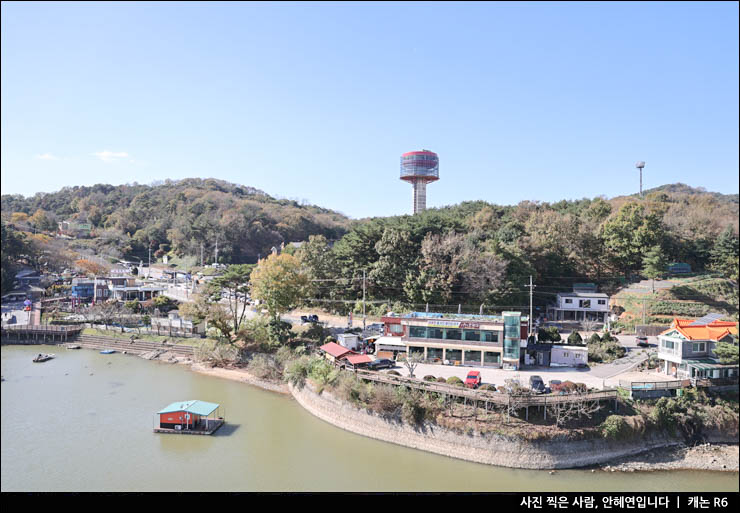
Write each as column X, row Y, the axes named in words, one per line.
column 686, row 349
column 715, row 330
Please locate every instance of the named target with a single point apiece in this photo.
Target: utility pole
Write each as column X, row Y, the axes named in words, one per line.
column 215, row 260
column 201, row 254
column 531, row 290
column 149, row 267
column 363, row 300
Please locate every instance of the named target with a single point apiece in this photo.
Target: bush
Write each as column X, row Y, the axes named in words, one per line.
column 322, row 372
column 441, row 380
column 394, row 373
column 487, row 387
column 429, row 377
column 216, row 353
column 595, row 339
column 297, row 371
column 384, row 400
column 265, row 367
column 350, row 388
column 615, row 427
column 454, row 380
column 575, row 338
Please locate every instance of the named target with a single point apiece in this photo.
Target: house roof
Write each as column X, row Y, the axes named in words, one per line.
column 715, row 330
column 193, row 406
column 356, row 359
column 582, row 294
column 335, row 350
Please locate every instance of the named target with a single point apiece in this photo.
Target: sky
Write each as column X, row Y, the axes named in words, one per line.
column 316, row 102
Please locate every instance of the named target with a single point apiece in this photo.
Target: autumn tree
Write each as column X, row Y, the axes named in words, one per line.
column 281, row 283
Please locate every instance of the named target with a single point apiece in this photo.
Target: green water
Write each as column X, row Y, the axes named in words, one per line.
column 83, row 422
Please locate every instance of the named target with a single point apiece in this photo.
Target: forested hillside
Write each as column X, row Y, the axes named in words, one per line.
column 469, row 254
column 177, row 217
column 477, row 253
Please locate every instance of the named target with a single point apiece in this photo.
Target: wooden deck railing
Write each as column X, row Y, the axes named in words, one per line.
column 522, row 400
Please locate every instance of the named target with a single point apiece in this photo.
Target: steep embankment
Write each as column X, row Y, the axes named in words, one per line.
column 489, row 449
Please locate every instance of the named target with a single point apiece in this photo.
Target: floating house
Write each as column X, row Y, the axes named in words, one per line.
column 190, row 417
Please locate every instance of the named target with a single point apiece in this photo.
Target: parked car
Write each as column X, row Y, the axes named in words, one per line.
column 642, row 341
column 309, row 318
column 473, row 380
column 536, row 384
column 383, row 363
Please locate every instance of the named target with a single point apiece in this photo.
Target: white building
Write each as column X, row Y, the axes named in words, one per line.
column 568, row 356
column 584, row 303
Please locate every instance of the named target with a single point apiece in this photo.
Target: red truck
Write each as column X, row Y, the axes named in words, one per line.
column 473, row 379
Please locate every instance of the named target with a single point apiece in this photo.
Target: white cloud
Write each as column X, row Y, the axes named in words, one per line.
column 110, row 156
column 47, row 156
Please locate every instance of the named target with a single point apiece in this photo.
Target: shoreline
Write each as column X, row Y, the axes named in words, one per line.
column 643, row 456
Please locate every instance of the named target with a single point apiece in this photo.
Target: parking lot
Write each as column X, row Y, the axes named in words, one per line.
column 498, row 376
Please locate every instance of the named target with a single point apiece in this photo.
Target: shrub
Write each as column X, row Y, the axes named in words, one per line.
column 615, row 427
column 349, row 387
column 384, row 400
column 441, row 380
column 297, row 371
column 575, row 338
column 487, row 387
column 595, row 339
column 454, row 380
column 322, row 372
column 429, row 377
column 413, row 411
column 394, row 373
column 215, row 353
column 265, row 367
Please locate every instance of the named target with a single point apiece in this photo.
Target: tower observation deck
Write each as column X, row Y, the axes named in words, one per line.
column 419, row 168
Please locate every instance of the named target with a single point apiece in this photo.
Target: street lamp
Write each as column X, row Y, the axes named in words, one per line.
column 639, row 166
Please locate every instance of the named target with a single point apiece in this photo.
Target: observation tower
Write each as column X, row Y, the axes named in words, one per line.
column 420, row 168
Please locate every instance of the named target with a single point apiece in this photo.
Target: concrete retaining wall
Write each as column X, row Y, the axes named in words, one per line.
column 489, row 449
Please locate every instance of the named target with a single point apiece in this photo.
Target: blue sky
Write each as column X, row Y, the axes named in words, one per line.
column 317, row 101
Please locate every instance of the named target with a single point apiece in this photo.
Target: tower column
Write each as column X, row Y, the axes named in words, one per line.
column 419, row 194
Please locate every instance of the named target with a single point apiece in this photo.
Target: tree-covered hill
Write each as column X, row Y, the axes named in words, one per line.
column 477, row 253
column 178, row 216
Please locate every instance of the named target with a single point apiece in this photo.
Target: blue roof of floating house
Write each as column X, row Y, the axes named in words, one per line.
column 194, row 406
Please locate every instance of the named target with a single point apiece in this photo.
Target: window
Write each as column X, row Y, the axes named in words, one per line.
column 489, row 336
column 698, row 347
column 453, row 334
column 472, row 335
column 568, row 300
column 396, row 328
column 602, row 301
column 585, row 303
column 434, row 333
column 417, row 331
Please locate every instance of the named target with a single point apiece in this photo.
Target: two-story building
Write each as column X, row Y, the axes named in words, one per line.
column 584, row 303
column 686, row 349
column 85, row 288
column 480, row 340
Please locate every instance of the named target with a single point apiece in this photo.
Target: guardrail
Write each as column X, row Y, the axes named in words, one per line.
column 654, row 385
column 522, row 401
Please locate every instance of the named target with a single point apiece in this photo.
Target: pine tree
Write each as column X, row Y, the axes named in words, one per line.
column 654, row 264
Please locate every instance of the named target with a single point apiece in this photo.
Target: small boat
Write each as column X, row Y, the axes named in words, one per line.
column 107, row 351
column 73, row 346
column 43, row 357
